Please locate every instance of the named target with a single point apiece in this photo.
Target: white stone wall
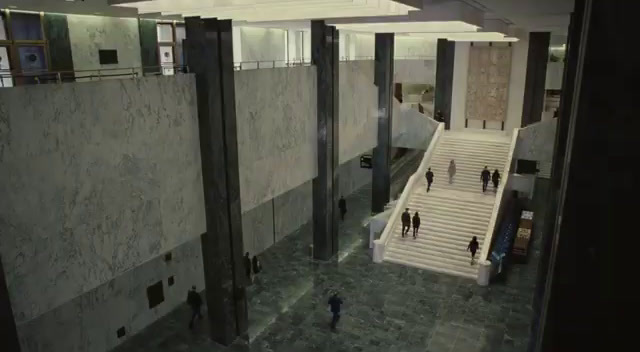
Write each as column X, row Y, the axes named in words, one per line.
column 410, row 128
column 262, row 44
column 276, row 122
column 515, row 95
column 112, row 180
column 415, row 71
column 88, row 34
column 536, row 141
column 89, row 322
column 358, row 107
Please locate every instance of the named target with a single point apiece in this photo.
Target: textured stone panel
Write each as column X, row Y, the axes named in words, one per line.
column 276, row 117
column 89, row 34
column 358, row 109
column 488, row 82
column 89, row 322
column 257, row 228
column 535, row 142
column 95, row 179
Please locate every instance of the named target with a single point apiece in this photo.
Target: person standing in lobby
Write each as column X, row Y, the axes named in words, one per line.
column 195, row 302
column 342, row 205
column 335, row 302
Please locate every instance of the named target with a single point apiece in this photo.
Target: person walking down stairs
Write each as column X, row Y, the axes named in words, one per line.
column 429, row 176
column 452, row 170
column 416, row 224
column 495, row 178
column 485, row 175
column 406, row 222
column 473, row 248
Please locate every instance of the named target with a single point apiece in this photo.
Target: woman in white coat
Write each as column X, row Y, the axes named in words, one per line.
column 452, row 170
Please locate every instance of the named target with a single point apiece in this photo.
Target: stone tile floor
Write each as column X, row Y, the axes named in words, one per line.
column 387, row 307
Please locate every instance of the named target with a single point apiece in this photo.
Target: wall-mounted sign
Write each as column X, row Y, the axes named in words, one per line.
column 365, row 161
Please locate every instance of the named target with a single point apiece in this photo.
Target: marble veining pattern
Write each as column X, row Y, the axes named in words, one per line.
column 276, row 119
column 89, row 322
column 89, row 34
column 358, row 109
column 488, row 82
column 415, row 71
column 536, row 141
column 410, row 128
column 89, row 193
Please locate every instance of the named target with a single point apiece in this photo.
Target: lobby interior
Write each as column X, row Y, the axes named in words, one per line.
column 146, row 146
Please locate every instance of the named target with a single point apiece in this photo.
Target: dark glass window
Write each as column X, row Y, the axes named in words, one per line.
column 26, row 26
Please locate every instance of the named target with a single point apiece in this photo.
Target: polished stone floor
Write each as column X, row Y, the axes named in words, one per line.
column 387, row 307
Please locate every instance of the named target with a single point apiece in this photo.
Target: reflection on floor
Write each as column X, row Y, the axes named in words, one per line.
column 387, row 307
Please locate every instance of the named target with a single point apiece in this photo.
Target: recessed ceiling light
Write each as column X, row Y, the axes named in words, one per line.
column 97, row 13
column 13, row 6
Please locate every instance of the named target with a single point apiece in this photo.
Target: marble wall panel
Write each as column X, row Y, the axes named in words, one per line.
column 536, row 141
column 294, row 208
column 488, row 82
column 89, row 322
column 88, row 34
column 352, row 176
column 358, row 109
column 415, row 71
column 276, row 117
column 411, row 129
column 95, row 179
column 263, row 44
column 257, row 228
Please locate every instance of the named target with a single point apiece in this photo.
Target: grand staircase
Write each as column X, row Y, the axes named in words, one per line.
column 451, row 214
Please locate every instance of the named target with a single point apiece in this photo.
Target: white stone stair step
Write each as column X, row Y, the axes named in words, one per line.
column 461, row 226
column 454, row 200
column 436, row 241
column 455, row 263
column 428, row 217
column 430, row 209
column 452, row 234
column 411, row 244
column 427, row 265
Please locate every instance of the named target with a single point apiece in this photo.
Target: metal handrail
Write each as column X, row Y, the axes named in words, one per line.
column 261, row 64
column 44, row 76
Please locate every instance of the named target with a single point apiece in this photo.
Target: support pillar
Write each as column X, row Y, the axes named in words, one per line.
column 444, row 80
column 534, row 87
column 210, row 53
column 324, row 55
column 596, row 215
column 383, row 79
column 8, row 332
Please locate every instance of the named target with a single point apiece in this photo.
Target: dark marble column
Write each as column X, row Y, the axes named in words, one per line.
column 8, row 332
column 381, row 160
column 209, row 44
column 594, row 239
column 534, row 88
column 324, row 55
column 444, row 79
column 560, row 147
column 149, row 45
column 56, row 29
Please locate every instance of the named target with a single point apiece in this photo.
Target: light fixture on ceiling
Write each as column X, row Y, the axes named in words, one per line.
column 272, row 10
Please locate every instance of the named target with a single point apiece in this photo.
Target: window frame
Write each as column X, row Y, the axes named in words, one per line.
column 14, row 45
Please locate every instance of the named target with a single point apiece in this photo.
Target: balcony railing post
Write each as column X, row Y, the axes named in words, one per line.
column 59, row 77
